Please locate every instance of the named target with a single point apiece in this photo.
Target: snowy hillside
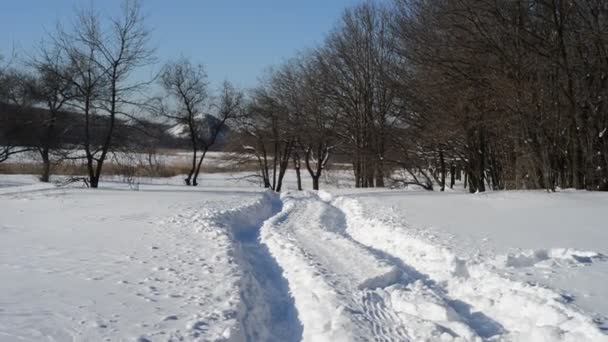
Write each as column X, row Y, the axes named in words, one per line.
column 232, row 262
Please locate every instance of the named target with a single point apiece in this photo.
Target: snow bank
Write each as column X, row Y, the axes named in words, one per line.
column 497, row 307
column 553, row 257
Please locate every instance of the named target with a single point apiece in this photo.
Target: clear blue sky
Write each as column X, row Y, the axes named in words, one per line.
column 235, row 39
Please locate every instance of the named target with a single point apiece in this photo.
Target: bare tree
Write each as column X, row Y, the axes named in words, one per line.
column 53, row 88
column 269, row 133
column 357, row 62
column 228, row 106
column 16, row 97
column 103, row 55
column 187, row 87
column 300, row 86
column 191, row 107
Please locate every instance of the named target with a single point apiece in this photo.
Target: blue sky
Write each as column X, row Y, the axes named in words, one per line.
column 234, row 39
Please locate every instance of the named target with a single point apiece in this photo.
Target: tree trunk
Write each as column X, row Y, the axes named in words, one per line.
column 188, row 179
column 379, row 174
column 481, row 186
column 46, row 166
column 47, row 142
column 472, row 182
column 315, row 182
column 94, row 182
column 357, row 171
column 442, row 170
column 198, row 168
column 452, row 175
column 283, row 165
column 296, row 164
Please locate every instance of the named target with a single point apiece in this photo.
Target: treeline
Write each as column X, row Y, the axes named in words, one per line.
column 80, row 90
column 511, row 94
column 500, row 94
column 88, row 69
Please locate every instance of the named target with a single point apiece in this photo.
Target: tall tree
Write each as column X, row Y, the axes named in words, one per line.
column 104, row 54
column 193, row 112
column 53, row 88
column 357, row 60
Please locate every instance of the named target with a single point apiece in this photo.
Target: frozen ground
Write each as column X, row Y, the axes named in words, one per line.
column 230, row 262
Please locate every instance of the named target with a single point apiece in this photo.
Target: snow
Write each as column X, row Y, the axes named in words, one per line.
column 112, row 264
column 15, row 184
column 229, row 261
column 554, row 239
column 518, row 310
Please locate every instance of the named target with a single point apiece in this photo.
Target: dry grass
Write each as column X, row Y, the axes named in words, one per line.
column 110, row 169
column 114, row 169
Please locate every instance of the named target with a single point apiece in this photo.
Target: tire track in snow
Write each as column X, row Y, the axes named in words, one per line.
column 345, row 291
column 527, row 312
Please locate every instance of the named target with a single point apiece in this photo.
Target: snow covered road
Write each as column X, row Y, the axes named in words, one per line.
column 163, row 264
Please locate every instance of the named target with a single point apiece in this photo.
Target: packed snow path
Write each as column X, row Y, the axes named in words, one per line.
column 345, row 291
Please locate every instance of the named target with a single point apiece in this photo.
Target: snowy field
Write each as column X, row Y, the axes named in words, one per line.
column 230, row 262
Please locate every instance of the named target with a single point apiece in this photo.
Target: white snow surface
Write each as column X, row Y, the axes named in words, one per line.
column 229, row 262
column 157, row 264
column 556, row 240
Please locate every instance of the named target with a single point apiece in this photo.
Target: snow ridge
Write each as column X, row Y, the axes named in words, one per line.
column 524, row 312
column 550, row 258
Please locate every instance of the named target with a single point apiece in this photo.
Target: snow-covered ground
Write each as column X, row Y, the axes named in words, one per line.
column 228, row 261
column 554, row 239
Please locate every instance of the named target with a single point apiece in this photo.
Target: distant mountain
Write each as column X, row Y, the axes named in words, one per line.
column 26, row 126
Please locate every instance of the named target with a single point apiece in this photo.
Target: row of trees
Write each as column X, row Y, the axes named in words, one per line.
column 510, row 93
column 519, row 87
column 86, row 69
column 91, row 69
column 507, row 93
column 338, row 99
